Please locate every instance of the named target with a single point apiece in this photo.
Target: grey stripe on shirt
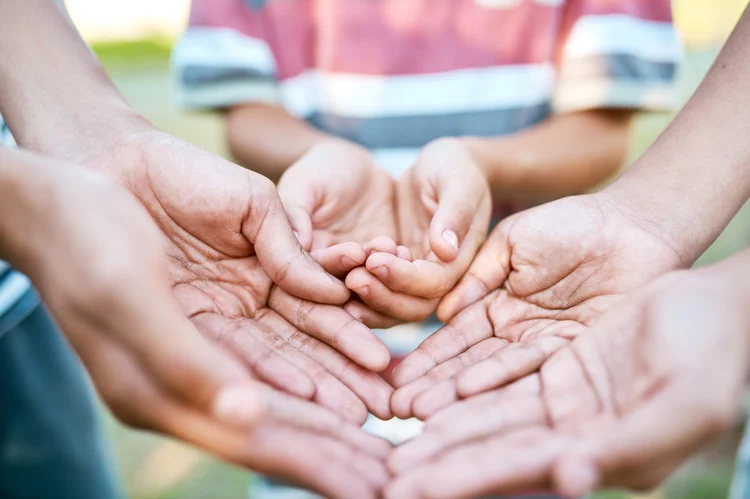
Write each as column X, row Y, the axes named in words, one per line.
column 416, row 131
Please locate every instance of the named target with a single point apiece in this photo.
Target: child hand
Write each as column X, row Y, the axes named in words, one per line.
column 444, row 208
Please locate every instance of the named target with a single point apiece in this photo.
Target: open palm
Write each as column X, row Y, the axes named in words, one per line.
column 623, row 405
column 544, row 276
column 229, row 244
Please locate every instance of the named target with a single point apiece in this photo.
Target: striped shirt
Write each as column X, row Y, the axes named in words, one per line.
column 13, row 285
column 393, row 75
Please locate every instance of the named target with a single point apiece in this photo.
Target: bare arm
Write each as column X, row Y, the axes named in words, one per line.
column 564, row 155
column 267, row 139
column 695, row 177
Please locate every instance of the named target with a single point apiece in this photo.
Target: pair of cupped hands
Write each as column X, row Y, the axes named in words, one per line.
column 251, row 337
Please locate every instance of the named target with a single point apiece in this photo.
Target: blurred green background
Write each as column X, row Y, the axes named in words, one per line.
column 133, row 38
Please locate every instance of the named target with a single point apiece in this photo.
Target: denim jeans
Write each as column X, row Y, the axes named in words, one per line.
column 50, row 439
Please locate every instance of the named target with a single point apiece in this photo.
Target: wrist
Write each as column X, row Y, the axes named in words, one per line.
column 664, row 222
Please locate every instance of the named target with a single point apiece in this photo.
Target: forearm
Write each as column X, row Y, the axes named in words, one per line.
column 564, row 155
column 53, row 91
column 267, row 139
column 695, row 177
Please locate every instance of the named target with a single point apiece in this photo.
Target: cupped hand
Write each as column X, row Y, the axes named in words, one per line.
column 623, row 405
column 444, row 208
column 229, row 242
column 544, row 276
column 98, row 261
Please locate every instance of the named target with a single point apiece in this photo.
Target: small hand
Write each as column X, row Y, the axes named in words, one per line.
column 444, row 207
column 342, row 206
column 622, row 406
column 544, row 276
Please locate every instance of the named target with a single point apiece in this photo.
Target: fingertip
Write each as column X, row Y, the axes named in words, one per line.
column 402, row 403
column 452, row 303
column 575, row 476
column 382, row 244
column 404, row 253
column 243, row 405
column 444, row 243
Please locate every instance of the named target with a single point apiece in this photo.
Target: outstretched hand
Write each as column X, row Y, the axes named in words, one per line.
column 99, row 262
column 415, row 238
column 623, row 405
column 544, row 276
column 243, row 279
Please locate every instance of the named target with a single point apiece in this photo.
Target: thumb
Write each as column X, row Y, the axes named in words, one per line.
column 280, row 253
column 463, row 202
column 487, row 272
column 299, row 199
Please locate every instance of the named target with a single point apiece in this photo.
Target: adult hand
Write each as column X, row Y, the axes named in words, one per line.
column 623, row 405
column 544, row 276
column 98, row 261
column 444, row 208
column 228, row 241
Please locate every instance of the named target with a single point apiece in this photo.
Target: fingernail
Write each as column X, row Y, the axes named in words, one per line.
column 363, row 291
column 239, row 405
column 451, row 238
column 381, row 272
column 296, row 234
column 348, row 262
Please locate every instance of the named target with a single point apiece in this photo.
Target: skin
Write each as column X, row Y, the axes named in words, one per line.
column 551, row 281
column 235, row 266
column 410, row 256
column 79, row 237
column 549, row 273
column 622, row 406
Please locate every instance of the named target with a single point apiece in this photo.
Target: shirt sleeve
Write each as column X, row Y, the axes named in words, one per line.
column 225, row 57
column 617, row 54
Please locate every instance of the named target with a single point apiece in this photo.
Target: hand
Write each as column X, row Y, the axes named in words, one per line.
column 342, row 206
column 544, row 276
column 98, row 261
column 623, row 405
column 444, row 209
column 228, row 241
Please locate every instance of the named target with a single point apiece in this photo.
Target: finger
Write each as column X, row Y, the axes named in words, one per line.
column 182, row 361
column 300, row 200
column 300, row 221
column 483, row 467
column 421, row 278
column 404, row 253
column 674, row 421
column 368, row 316
column 338, row 260
column 462, row 207
column 281, row 255
column 508, row 364
column 491, row 416
column 381, row 244
column 465, row 331
column 333, row 326
column 487, row 272
column 341, row 385
column 379, row 298
column 404, row 401
column 305, row 415
column 242, row 338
